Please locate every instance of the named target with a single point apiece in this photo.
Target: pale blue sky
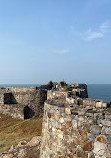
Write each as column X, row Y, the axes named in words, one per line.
column 42, row 40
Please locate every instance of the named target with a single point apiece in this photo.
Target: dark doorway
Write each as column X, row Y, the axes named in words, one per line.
column 28, row 112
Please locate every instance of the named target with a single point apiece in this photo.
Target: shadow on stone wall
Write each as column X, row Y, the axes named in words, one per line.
column 9, row 99
column 28, row 112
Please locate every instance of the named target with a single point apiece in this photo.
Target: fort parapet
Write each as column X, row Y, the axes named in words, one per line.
column 75, row 131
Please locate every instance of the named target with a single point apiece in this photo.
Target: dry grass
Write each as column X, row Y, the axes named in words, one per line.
column 12, row 131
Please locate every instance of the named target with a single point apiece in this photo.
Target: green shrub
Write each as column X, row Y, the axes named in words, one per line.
column 68, row 88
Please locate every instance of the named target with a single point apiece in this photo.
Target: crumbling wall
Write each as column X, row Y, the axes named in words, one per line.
column 80, row 90
column 15, row 111
column 84, row 133
column 53, row 94
column 80, row 85
column 17, row 100
column 88, row 102
column 23, row 95
column 1, row 98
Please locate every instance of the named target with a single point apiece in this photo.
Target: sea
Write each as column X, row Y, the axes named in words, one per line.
column 95, row 91
column 99, row 91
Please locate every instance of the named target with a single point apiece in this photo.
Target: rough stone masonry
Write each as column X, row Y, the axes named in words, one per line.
column 25, row 103
column 22, row 103
column 75, row 127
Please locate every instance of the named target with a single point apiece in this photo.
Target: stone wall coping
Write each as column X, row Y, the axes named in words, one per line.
column 77, row 110
column 89, row 99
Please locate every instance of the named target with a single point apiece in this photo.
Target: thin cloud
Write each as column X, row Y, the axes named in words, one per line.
column 104, row 27
column 100, row 33
column 91, row 34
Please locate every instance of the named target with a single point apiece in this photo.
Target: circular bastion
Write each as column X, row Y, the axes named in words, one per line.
column 71, row 131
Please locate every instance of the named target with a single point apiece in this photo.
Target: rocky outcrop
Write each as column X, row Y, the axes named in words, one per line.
column 24, row 149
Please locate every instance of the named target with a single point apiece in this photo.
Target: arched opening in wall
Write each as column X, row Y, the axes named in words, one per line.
column 28, row 112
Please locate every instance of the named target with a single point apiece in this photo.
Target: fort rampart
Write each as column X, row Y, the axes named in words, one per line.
column 22, row 103
column 53, row 94
column 74, row 133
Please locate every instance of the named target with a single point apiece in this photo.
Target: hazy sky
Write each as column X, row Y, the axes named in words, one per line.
column 42, row 40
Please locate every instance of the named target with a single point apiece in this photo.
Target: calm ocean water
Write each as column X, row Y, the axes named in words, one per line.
column 95, row 91
column 100, row 91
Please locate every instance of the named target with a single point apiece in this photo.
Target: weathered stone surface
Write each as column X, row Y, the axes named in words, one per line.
column 68, row 124
column 95, row 129
column 75, row 137
column 60, row 134
column 87, row 146
column 83, row 134
column 86, row 127
column 75, row 132
column 81, row 118
column 108, row 138
column 90, row 137
column 7, row 156
column 61, row 120
column 101, row 139
column 106, row 122
column 49, row 114
column 35, row 141
column 108, row 116
column 91, row 155
column 106, row 130
column 22, row 153
column 81, row 154
column 98, row 104
column 74, row 124
column 100, row 149
column 67, row 110
column 22, row 103
column 76, row 141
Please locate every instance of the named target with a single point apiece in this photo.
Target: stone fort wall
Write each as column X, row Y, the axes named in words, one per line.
column 53, row 94
column 25, row 103
column 75, row 133
column 22, row 103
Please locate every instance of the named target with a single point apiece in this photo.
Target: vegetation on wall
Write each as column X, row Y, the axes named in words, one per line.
column 68, row 88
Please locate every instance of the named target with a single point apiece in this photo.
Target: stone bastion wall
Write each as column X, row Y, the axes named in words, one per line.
column 22, row 103
column 73, row 99
column 51, row 94
column 75, row 131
